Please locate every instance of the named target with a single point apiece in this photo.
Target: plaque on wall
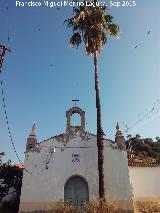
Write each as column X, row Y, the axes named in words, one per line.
column 75, row 158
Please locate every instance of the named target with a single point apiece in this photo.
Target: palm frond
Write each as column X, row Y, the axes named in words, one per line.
column 75, row 40
column 114, row 30
column 76, row 10
column 108, row 19
column 104, row 38
column 69, row 22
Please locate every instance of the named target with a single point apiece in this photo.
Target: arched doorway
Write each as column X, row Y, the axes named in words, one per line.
column 76, row 190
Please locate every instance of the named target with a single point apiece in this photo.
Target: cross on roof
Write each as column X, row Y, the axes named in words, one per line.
column 75, row 100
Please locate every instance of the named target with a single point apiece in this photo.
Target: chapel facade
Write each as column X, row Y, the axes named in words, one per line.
column 64, row 168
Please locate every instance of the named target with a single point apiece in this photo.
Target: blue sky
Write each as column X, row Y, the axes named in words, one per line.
column 42, row 74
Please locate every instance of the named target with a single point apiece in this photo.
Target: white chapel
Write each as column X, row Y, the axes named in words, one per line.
column 64, row 168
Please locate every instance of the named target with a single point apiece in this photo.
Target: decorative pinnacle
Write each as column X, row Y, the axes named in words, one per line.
column 33, row 133
column 117, row 127
column 34, row 128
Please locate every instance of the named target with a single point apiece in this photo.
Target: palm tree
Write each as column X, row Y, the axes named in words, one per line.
column 92, row 26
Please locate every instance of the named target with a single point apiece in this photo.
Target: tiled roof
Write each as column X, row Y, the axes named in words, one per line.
column 132, row 163
column 20, row 166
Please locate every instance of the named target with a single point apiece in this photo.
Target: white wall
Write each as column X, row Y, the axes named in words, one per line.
column 47, row 185
column 145, row 182
column 117, row 181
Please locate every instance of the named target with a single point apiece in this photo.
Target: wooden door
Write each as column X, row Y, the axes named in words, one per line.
column 76, row 191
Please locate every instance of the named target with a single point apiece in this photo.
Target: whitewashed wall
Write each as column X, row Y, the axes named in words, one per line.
column 48, row 184
column 145, row 182
column 117, row 181
column 45, row 186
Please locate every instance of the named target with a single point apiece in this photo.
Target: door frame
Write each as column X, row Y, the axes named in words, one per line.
column 81, row 177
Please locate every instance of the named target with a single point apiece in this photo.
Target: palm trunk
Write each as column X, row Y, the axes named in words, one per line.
column 100, row 133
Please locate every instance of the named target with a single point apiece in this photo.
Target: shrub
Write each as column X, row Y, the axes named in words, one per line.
column 147, row 206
